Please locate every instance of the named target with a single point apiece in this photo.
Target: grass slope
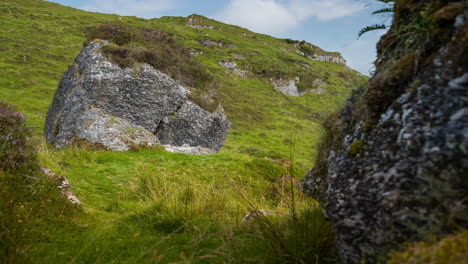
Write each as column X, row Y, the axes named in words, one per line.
column 150, row 205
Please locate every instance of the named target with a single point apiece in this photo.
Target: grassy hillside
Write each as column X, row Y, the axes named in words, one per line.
column 149, row 205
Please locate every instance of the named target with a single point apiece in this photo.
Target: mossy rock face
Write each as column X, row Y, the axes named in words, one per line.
column 398, row 147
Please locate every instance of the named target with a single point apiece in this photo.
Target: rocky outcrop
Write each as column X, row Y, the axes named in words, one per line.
column 220, row 44
column 242, row 73
column 325, row 58
column 227, row 63
column 198, row 22
column 314, row 53
column 116, row 108
column 287, row 86
column 195, row 52
column 393, row 165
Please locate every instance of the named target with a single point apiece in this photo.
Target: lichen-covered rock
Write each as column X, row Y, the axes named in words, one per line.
column 102, row 103
column 394, row 164
column 114, row 133
column 194, row 126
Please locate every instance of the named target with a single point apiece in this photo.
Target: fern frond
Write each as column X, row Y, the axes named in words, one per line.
column 383, row 10
column 370, row 28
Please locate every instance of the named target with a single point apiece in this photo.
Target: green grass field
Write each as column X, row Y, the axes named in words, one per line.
column 151, row 206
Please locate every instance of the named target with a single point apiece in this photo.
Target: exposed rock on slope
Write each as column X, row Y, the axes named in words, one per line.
column 116, row 108
column 220, row 44
column 286, row 86
column 314, row 53
column 62, row 184
column 394, row 164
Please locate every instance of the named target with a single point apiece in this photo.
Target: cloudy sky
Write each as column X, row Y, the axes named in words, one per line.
column 330, row 24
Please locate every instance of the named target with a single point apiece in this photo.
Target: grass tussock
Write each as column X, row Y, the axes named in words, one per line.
column 135, row 45
column 174, row 208
column 452, row 249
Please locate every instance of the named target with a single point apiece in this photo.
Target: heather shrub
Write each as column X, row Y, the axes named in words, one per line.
column 25, row 195
column 136, row 45
column 15, row 153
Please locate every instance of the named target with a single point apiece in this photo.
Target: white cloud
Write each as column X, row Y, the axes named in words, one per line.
column 265, row 16
column 324, row 10
column 140, row 8
column 275, row 17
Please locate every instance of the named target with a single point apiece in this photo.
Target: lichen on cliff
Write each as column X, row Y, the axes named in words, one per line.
column 392, row 164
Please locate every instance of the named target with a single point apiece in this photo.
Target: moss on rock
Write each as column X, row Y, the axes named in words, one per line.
column 356, row 147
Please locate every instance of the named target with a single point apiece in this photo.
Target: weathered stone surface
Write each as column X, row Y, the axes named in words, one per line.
column 112, row 132
column 334, row 59
column 195, row 52
column 102, row 103
column 237, row 56
column 186, row 149
column 391, row 179
column 287, row 86
column 242, row 73
column 194, row 126
column 208, row 43
column 228, row 64
column 198, row 22
column 338, row 59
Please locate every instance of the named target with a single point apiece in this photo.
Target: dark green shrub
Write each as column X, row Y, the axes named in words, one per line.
column 291, row 41
column 308, row 50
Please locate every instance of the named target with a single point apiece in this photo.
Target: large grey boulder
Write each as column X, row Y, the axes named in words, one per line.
column 193, row 126
column 121, row 99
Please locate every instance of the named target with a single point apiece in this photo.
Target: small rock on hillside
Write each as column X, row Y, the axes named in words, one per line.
column 287, row 86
